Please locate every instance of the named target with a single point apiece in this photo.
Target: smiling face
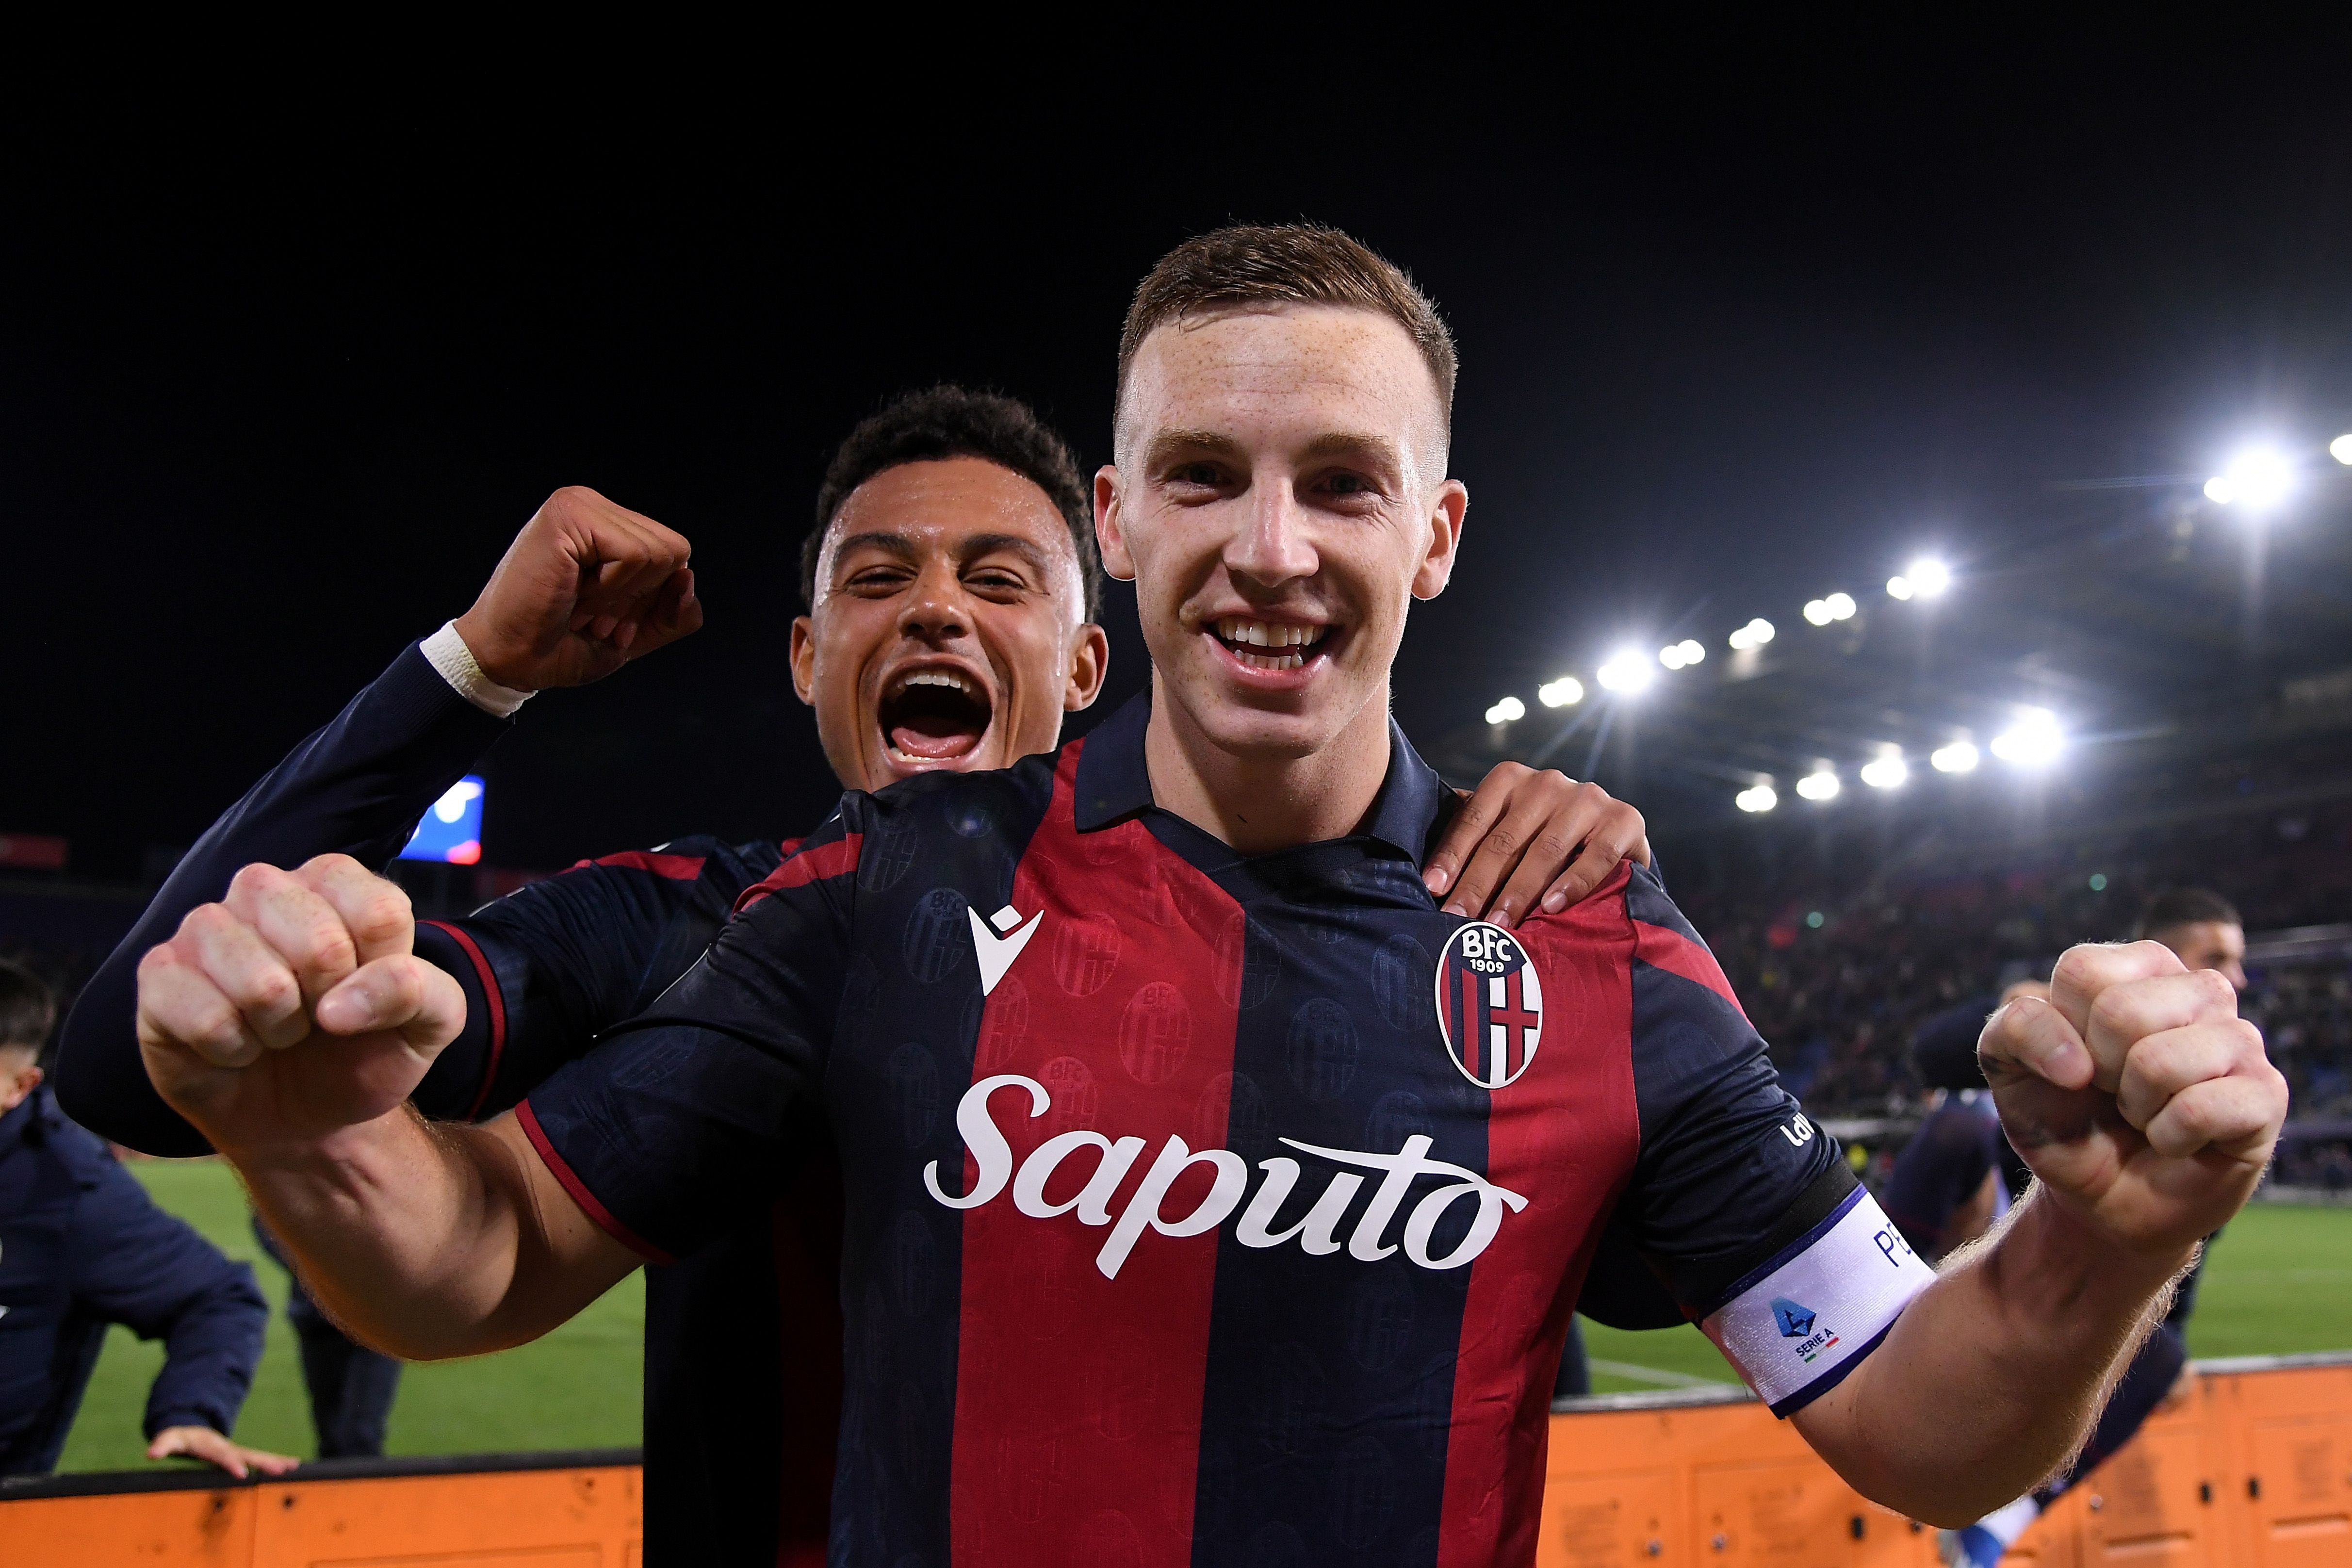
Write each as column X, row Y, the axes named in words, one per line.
column 949, row 625
column 1280, row 499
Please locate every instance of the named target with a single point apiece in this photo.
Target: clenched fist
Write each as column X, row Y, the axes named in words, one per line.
column 586, row 586
column 2137, row 1095
column 294, row 1008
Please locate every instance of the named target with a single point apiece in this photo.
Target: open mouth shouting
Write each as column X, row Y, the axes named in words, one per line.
column 1276, row 647
column 934, row 716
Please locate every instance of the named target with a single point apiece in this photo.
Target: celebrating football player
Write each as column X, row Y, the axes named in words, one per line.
column 952, row 585
column 1209, row 1188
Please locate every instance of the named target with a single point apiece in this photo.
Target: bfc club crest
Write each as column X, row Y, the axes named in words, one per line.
column 1489, row 1005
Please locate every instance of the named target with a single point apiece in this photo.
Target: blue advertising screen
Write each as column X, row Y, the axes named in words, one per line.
column 452, row 829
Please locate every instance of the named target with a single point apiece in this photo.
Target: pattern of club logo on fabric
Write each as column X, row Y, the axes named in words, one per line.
column 1489, row 1005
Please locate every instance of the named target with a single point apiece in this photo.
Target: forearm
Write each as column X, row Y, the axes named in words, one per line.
column 1992, row 1378
column 417, row 1238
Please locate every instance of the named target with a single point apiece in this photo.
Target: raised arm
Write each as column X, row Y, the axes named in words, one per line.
column 585, row 587
column 289, row 1025
column 2148, row 1110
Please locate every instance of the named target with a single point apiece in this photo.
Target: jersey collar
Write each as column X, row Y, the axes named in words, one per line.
column 1113, row 783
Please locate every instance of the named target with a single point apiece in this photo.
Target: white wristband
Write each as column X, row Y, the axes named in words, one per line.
column 447, row 652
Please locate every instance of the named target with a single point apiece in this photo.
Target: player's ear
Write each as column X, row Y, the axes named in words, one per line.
column 1089, row 662
column 1436, row 565
column 804, row 659
column 1110, row 527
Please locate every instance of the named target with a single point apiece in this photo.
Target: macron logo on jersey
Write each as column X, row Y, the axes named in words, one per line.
column 998, row 948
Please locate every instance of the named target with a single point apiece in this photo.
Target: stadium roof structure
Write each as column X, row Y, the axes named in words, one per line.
column 2196, row 664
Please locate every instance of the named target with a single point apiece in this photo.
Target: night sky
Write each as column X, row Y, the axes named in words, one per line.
column 1739, row 320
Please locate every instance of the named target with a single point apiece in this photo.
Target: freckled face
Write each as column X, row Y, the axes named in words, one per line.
column 1280, row 500
column 949, row 628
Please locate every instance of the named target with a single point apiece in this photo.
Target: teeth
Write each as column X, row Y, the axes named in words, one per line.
column 1268, row 634
column 954, row 680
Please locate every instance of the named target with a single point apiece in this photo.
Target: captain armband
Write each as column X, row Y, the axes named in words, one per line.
column 1795, row 1327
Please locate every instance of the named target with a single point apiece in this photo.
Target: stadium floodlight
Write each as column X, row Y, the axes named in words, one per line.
column 2341, row 451
column 1682, row 654
column 1960, row 757
column 2033, row 741
column 1885, row 772
column 2257, row 479
column 1565, row 692
column 1840, row 606
column 1817, row 612
column 1755, row 634
column 1900, row 587
column 1819, row 785
column 1626, row 672
column 1757, row 797
column 1508, row 708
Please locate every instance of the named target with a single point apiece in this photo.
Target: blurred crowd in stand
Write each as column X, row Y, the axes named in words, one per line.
column 1837, row 973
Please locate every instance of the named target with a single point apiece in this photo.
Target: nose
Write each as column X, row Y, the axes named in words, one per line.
column 937, row 610
column 1273, row 546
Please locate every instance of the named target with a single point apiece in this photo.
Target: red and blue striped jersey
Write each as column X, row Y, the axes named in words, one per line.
column 1205, row 1207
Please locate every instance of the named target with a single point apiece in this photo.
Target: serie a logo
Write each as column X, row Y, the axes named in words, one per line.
column 1489, row 1005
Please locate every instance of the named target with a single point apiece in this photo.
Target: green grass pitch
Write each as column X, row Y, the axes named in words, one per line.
column 2277, row 1282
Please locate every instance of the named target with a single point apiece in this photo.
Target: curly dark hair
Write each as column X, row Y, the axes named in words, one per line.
column 947, row 421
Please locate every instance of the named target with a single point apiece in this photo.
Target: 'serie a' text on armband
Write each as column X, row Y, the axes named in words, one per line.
column 1797, row 1325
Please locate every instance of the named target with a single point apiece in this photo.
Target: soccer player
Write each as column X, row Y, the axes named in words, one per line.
column 951, row 585
column 82, row 1246
column 1210, row 1191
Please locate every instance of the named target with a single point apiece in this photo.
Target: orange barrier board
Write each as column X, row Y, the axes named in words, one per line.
column 576, row 1517
column 2252, row 1470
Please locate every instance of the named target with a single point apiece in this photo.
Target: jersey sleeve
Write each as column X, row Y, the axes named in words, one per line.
column 1741, row 1205
column 690, row 1117
column 549, row 968
column 356, row 787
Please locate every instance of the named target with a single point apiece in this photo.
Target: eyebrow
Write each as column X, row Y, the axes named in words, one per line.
column 1169, row 444
column 972, row 548
column 1355, row 443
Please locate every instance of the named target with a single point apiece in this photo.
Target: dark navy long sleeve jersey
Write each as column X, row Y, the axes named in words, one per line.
column 742, row 1340
column 81, row 1247
column 1204, row 1208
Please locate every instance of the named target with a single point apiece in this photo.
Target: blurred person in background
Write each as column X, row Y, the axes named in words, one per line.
column 350, row 1387
column 2201, row 926
column 952, row 592
column 81, row 1246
